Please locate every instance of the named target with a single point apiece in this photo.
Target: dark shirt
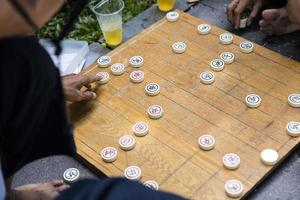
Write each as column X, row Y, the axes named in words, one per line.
column 33, row 121
column 113, row 189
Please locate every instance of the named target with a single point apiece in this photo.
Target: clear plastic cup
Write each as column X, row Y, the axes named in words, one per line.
column 166, row 5
column 109, row 15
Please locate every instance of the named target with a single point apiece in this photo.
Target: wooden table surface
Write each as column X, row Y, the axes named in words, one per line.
column 170, row 153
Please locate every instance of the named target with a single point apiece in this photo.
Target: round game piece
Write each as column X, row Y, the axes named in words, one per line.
column 117, row 69
column 155, row 111
column 207, row 77
column 217, row 65
column 293, row 129
column 246, row 47
column 226, row 38
column 104, row 77
column 204, row 29
column 172, row 16
column 127, row 142
column 104, row 61
column 136, row 61
column 71, row 175
column 179, row 47
column 152, row 89
column 269, row 156
column 140, row 129
column 133, row 173
column 109, row 154
column 234, row 188
column 206, row 142
column 152, row 185
column 227, row 57
column 231, row 161
column 137, row 76
column 294, row 100
column 253, row 100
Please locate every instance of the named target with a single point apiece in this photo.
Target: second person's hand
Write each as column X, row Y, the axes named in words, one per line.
column 236, row 7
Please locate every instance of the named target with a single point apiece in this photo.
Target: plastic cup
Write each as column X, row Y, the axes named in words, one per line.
column 109, row 15
column 166, row 5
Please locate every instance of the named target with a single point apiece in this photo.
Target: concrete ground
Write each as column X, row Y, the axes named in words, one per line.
column 48, row 169
column 282, row 184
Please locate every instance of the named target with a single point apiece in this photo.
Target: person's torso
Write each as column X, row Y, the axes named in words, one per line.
column 33, row 109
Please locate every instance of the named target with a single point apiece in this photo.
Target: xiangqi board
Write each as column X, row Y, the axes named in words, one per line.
column 168, row 152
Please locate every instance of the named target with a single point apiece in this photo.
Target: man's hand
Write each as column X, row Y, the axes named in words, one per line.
column 237, row 7
column 45, row 191
column 73, row 83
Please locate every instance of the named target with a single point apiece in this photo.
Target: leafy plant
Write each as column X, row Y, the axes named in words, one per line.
column 87, row 28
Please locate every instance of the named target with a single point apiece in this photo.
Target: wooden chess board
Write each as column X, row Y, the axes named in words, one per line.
column 170, row 154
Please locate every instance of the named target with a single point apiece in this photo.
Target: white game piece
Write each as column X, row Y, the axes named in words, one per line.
column 71, row 175
column 207, row 77
column 117, row 69
column 140, row 129
column 269, row 156
column 227, row 57
column 293, row 129
column 152, row 89
column 294, row 100
column 109, row 154
column 127, row 142
column 155, row 111
column 226, row 38
column 179, row 47
column 133, row 173
column 243, row 22
column 217, row 65
column 104, row 61
column 253, row 100
column 152, row 185
column 206, row 142
column 137, row 76
column 234, row 188
column 231, row 161
column 246, row 47
column 136, row 61
column 104, row 77
column 172, row 16
column 244, row 16
column 204, row 29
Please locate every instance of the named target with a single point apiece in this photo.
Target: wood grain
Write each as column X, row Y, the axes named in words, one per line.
column 170, row 153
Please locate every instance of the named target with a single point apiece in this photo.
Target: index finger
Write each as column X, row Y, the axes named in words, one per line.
column 87, row 80
column 238, row 11
column 94, row 78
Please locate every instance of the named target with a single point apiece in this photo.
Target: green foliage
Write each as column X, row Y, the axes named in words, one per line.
column 87, row 28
